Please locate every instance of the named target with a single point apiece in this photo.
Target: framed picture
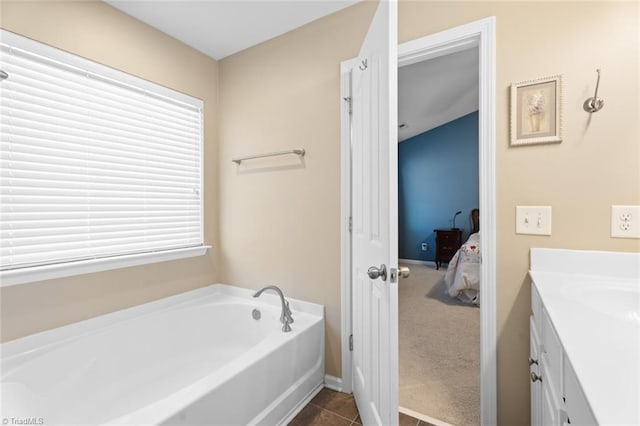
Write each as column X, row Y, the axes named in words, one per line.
column 536, row 111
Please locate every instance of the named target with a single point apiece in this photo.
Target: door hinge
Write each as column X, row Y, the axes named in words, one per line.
column 350, row 101
column 351, row 342
column 350, row 224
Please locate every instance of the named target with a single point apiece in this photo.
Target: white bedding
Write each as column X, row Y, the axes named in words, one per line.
column 463, row 274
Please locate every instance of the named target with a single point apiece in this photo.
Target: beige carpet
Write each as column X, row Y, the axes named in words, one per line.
column 439, row 341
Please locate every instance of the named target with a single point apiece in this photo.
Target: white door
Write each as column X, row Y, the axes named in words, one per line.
column 375, row 219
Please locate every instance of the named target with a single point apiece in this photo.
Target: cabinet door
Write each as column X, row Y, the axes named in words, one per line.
column 551, row 355
column 550, row 413
column 536, row 386
column 578, row 409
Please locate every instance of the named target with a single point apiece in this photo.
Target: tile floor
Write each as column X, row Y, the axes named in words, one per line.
column 331, row 408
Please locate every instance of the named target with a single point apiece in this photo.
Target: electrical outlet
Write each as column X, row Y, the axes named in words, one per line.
column 534, row 220
column 624, row 221
column 424, row 247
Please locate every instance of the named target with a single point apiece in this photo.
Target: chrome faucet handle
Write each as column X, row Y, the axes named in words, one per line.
column 288, row 311
column 286, row 318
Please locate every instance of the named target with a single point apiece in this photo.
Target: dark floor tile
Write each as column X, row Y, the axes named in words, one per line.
column 337, row 402
column 423, row 423
column 312, row 415
column 357, row 421
column 407, row 420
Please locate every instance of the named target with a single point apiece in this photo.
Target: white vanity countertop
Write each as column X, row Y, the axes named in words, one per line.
column 594, row 307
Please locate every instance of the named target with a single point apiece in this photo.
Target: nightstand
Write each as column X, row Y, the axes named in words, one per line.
column 448, row 241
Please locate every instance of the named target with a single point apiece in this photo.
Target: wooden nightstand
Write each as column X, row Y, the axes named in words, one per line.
column 448, row 241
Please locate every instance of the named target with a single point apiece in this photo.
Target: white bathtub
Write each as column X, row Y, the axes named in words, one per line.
column 195, row 358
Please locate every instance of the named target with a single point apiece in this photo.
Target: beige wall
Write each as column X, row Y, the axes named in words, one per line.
column 101, row 33
column 282, row 226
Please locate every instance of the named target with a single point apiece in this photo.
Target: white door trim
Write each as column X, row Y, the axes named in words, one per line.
column 482, row 35
column 345, row 223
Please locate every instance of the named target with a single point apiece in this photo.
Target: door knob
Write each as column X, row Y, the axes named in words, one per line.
column 404, row 272
column 380, row 272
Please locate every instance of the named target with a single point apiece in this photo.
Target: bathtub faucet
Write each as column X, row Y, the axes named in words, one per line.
column 285, row 316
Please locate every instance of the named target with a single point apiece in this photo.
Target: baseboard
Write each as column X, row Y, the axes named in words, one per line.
column 333, row 383
column 417, row 262
column 423, row 417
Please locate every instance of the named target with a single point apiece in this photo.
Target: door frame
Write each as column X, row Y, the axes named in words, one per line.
column 481, row 35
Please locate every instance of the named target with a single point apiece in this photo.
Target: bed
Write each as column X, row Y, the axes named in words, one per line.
column 463, row 273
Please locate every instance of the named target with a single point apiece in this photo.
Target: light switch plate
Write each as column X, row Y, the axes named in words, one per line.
column 625, row 221
column 533, row 220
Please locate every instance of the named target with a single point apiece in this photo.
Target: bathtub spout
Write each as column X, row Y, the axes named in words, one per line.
column 285, row 316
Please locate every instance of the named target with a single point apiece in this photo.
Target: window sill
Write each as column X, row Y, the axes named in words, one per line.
column 48, row 272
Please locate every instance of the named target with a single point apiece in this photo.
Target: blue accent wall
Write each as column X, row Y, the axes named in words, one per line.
column 437, row 176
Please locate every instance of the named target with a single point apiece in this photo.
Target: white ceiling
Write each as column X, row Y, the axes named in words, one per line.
column 435, row 92
column 430, row 93
column 221, row 28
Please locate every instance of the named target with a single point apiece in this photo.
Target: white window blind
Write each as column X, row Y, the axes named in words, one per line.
column 95, row 163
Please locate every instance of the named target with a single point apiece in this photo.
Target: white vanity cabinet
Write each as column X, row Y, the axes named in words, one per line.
column 556, row 396
column 585, row 338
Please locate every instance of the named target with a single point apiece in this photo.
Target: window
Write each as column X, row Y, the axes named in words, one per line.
column 97, row 165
